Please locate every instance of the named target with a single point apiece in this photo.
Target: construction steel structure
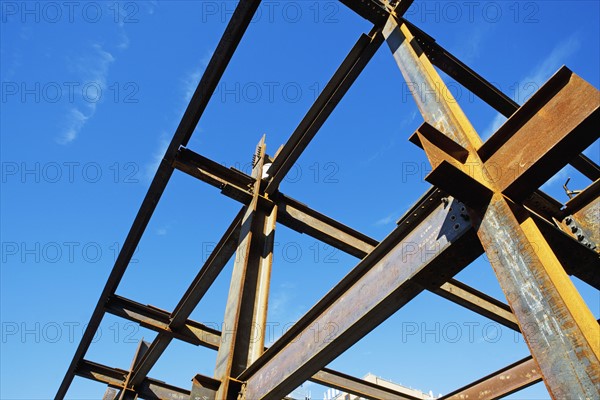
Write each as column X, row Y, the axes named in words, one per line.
column 485, row 198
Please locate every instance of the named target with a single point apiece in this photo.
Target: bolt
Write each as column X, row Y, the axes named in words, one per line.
column 574, row 229
column 568, row 220
column 580, row 237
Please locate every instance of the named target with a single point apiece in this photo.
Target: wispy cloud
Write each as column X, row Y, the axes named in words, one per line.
column 388, row 219
column 151, row 6
column 496, row 123
column 469, row 50
column 93, row 70
column 188, row 85
column 557, row 57
column 123, row 41
column 75, row 122
column 157, row 156
column 190, row 81
column 393, row 139
column 541, row 73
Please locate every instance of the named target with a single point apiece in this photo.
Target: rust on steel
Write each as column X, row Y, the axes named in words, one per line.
column 485, row 197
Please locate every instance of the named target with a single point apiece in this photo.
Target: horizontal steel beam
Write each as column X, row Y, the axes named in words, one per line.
column 198, row 334
column 150, row 389
column 474, row 300
column 359, row 387
column 586, row 166
column 390, row 276
column 577, row 259
column 158, row 320
column 501, row 383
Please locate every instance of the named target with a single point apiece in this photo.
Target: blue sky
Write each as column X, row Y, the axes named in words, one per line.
column 91, row 94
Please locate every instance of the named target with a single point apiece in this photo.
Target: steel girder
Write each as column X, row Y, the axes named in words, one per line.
column 534, row 241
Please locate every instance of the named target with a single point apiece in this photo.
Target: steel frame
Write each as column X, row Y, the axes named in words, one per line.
column 493, row 205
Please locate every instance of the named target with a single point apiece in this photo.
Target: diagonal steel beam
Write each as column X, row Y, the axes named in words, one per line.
column 474, row 300
column 510, row 379
column 236, row 27
column 549, row 309
column 577, row 259
column 332, row 94
column 447, row 62
column 219, row 61
column 133, row 238
column 157, row 320
column 374, row 11
column 198, row 334
column 389, row 277
column 213, row 266
column 150, row 389
column 358, row 387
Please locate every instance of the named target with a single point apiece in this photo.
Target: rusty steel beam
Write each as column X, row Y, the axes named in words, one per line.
column 588, row 218
column 374, row 11
column 567, row 110
column 328, row 99
column 445, row 61
column 583, row 199
column 549, row 310
column 513, row 378
column 389, row 277
column 157, row 320
column 474, row 300
column 358, row 387
column 586, row 166
column 198, row 334
column 232, row 36
column 150, row 389
column 303, row 219
column 246, row 309
column 377, row 11
column 204, row 388
column 577, row 259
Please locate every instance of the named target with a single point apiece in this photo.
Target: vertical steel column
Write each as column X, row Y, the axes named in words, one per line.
column 243, row 338
column 127, row 393
column 560, row 330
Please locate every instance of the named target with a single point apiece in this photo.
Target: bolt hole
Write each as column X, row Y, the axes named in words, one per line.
column 456, row 226
column 452, row 217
